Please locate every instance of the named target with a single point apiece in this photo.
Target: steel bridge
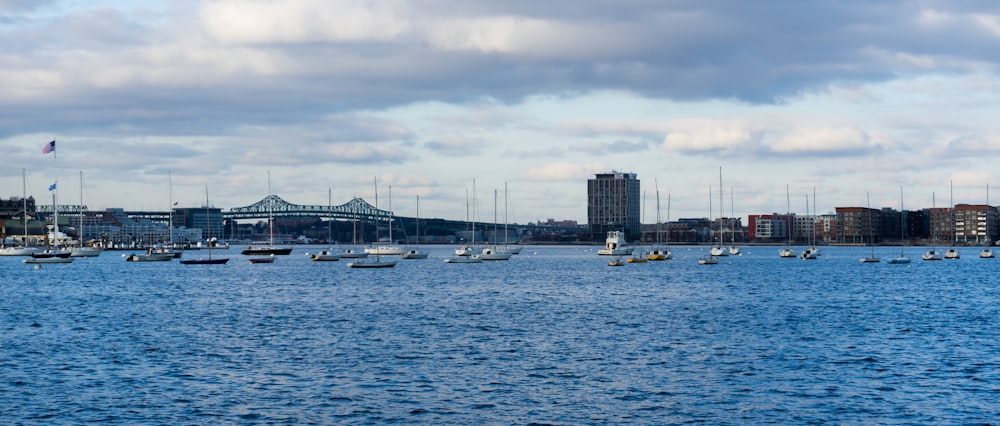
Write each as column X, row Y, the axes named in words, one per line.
column 273, row 205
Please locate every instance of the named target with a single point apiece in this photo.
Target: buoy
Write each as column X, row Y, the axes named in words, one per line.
column 37, row 266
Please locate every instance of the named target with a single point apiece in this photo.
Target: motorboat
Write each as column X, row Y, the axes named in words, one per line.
column 932, row 255
column 615, row 245
column 986, row 253
column 45, row 260
column 325, row 256
column 952, row 254
column 149, row 256
column 786, row 252
column 708, row 260
column 414, row 254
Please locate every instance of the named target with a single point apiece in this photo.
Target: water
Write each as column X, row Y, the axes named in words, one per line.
column 552, row 336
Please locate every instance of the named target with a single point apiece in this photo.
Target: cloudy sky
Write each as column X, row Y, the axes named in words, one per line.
column 850, row 97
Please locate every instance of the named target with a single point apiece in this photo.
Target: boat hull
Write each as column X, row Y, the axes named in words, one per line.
column 205, row 261
column 267, row 251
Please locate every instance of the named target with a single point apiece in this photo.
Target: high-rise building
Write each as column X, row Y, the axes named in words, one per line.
column 613, row 204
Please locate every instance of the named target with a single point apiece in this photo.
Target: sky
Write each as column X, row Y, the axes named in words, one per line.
column 454, row 100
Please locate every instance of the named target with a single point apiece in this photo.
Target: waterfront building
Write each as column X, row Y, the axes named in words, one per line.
column 858, row 225
column 614, row 204
column 772, row 227
column 975, row 223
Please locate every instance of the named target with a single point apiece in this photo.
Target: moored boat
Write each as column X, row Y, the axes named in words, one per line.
column 615, row 245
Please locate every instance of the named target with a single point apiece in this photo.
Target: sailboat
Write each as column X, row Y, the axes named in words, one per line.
column 328, row 255
column 812, row 252
column 416, row 252
column 902, row 259
column 788, row 252
column 711, row 258
column 717, row 250
column 495, row 252
column 506, row 204
column 270, row 249
column 987, row 252
column 377, row 262
column 52, row 254
column 353, row 252
column 638, row 257
column 466, row 250
column 464, row 254
column 23, row 249
column 83, row 250
column 952, row 252
column 658, row 252
column 871, row 235
column 210, row 260
column 733, row 250
column 386, row 249
column 933, row 254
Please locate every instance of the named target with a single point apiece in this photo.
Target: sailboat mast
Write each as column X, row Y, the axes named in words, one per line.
column 270, row 212
column 208, row 220
column 24, row 201
column 80, row 211
column 170, row 206
column 722, row 210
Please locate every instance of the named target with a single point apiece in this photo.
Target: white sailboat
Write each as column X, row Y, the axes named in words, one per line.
column 415, row 252
column 83, row 250
column 270, row 249
column 640, row 256
column 385, row 249
column 871, row 235
column 952, row 252
column 354, row 252
column 506, row 204
column 710, row 258
column 933, row 253
column 496, row 252
column 53, row 253
column 902, row 259
column 23, row 249
column 788, row 252
column 327, row 255
column 465, row 254
column 718, row 250
column 377, row 261
column 733, row 250
column 812, row 252
column 208, row 227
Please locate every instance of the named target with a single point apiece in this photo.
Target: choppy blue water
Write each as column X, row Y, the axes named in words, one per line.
column 552, row 336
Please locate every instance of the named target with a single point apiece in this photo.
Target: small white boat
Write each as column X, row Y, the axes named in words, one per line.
column 932, row 255
column 616, row 262
column 718, row 251
column 615, row 245
column 373, row 264
column 463, row 251
column 899, row 260
column 810, row 253
column 414, row 254
column 787, row 252
column 494, row 254
column 870, row 259
column 19, row 251
column 986, row 253
column 952, row 254
column 384, row 250
column 464, row 259
column 325, row 256
column 44, row 260
column 84, row 251
column 353, row 254
column 149, row 256
column 708, row 260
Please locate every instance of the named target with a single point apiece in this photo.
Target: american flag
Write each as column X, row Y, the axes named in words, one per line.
column 49, row 147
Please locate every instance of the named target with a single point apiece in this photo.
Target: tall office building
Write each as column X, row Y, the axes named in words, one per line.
column 613, row 204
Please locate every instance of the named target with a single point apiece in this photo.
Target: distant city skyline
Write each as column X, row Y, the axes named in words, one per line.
column 848, row 98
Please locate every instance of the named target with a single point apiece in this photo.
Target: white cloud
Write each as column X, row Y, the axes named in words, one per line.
column 564, row 171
